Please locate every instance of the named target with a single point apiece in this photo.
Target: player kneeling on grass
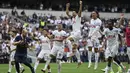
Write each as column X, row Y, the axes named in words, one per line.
column 45, row 51
column 111, row 37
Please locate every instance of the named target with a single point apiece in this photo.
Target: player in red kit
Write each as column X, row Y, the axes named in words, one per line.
column 127, row 36
column 127, row 41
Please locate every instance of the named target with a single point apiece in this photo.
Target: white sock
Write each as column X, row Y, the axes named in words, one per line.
column 128, row 70
column 116, row 63
column 10, row 66
column 122, row 66
column 49, row 70
column 21, row 67
column 110, row 68
column 89, row 56
column 36, row 65
column 96, row 58
column 47, row 63
column 77, row 54
column 59, row 66
column 68, row 60
column 119, row 65
column 106, row 67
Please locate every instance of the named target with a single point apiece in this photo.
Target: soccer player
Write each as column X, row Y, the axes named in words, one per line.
column 111, row 38
column 118, row 27
column 68, row 49
column 12, row 50
column 127, row 40
column 76, row 33
column 76, row 17
column 45, row 51
column 94, row 35
column 22, row 43
column 127, row 36
column 58, row 45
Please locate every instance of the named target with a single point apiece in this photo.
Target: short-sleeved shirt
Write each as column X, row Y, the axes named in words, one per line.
column 76, row 23
column 94, row 26
column 45, row 42
column 58, row 35
column 21, row 49
column 111, row 36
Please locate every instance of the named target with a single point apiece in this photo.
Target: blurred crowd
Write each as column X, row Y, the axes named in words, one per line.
column 61, row 7
column 14, row 23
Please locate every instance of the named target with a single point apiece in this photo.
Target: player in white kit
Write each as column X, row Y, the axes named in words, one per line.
column 12, row 53
column 68, row 45
column 112, row 43
column 94, row 35
column 58, row 45
column 76, row 33
column 45, row 51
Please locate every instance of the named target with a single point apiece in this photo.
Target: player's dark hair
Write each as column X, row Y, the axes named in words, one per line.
column 75, row 10
column 110, row 22
column 98, row 16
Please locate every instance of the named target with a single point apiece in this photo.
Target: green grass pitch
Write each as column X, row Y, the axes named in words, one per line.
column 66, row 68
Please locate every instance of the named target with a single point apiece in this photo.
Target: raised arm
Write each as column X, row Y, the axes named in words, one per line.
column 121, row 21
column 80, row 9
column 67, row 9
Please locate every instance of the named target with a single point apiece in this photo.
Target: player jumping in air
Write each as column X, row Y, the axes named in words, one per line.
column 94, row 35
column 76, row 33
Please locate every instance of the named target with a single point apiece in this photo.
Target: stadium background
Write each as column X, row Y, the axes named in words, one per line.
column 57, row 8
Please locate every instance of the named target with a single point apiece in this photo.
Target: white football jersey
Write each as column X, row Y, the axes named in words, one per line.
column 76, row 23
column 45, row 42
column 94, row 26
column 58, row 35
column 111, row 36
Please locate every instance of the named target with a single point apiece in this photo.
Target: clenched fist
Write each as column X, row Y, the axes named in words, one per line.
column 68, row 5
column 80, row 2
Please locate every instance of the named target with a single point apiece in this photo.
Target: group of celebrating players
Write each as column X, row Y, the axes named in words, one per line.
column 110, row 40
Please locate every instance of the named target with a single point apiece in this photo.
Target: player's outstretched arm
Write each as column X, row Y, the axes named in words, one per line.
column 50, row 36
column 12, row 50
column 104, row 42
column 67, row 9
column 80, row 9
column 16, row 43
